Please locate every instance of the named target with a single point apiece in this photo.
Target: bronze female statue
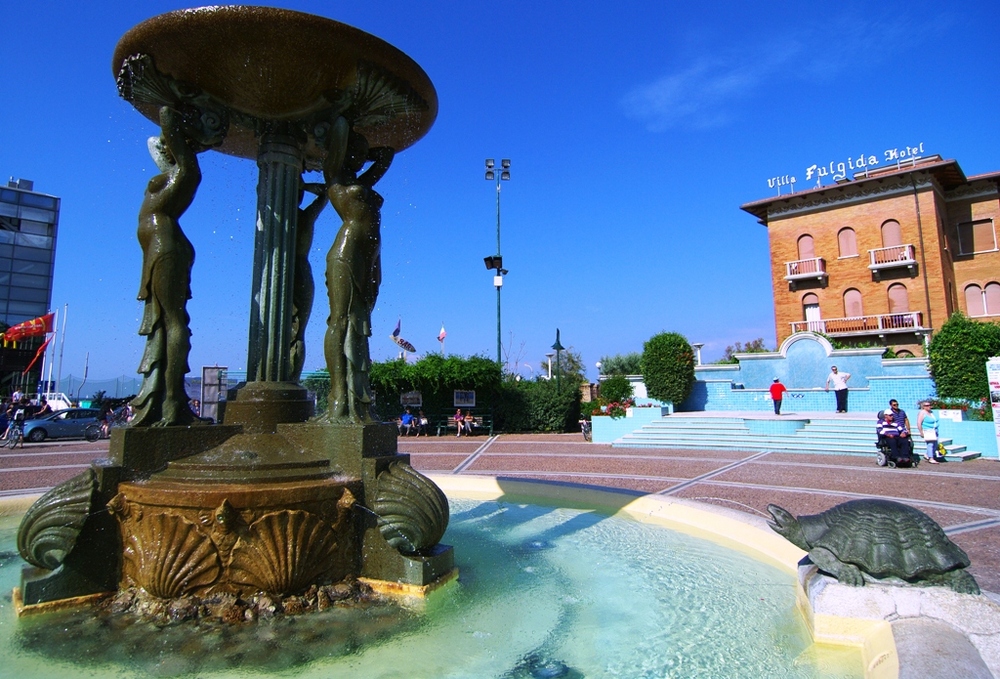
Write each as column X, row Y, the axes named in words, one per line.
column 303, row 288
column 165, row 288
column 353, row 274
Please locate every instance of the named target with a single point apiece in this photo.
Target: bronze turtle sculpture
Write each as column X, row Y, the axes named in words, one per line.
column 880, row 538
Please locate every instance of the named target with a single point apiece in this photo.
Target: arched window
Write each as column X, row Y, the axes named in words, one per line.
column 899, row 299
column 974, row 303
column 806, row 249
column 983, row 301
column 992, row 296
column 810, row 311
column 891, row 234
column 904, row 353
column 852, row 304
column 848, row 242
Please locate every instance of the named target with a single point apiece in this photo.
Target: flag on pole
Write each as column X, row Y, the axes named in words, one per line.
column 442, row 334
column 36, row 327
column 395, row 333
column 38, row 355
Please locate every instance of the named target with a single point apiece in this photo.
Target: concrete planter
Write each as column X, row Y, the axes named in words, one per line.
column 607, row 429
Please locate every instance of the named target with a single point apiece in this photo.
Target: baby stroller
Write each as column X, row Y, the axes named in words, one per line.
column 904, row 456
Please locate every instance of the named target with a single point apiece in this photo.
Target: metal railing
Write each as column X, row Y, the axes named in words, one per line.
column 805, row 268
column 863, row 325
column 894, row 255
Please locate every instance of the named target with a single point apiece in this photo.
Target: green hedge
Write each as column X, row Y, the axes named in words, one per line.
column 515, row 406
column 436, row 377
column 536, row 406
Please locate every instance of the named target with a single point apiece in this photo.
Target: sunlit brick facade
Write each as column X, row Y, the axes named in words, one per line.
column 885, row 257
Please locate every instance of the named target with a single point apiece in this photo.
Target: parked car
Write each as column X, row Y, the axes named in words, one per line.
column 63, row 424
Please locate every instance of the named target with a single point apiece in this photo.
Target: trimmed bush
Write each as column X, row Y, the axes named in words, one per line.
column 958, row 353
column 616, row 388
column 668, row 367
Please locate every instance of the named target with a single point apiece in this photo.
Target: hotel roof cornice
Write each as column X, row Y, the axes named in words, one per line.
column 883, row 181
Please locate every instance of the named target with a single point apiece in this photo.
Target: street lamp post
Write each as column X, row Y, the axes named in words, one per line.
column 496, row 262
column 558, row 349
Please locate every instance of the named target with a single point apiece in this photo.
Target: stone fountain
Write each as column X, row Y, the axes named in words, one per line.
column 272, row 500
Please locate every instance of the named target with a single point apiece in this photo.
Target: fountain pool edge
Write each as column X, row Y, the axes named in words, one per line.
column 729, row 528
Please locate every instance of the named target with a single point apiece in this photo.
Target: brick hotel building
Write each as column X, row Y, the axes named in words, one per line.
column 886, row 256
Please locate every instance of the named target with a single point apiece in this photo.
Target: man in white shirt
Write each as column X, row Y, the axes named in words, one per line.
column 839, row 381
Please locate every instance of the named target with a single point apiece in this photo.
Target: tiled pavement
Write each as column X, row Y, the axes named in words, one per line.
column 962, row 497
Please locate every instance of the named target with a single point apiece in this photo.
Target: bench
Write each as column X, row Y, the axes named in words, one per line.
column 446, row 424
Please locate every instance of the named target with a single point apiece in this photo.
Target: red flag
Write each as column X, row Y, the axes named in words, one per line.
column 38, row 355
column 33, row 328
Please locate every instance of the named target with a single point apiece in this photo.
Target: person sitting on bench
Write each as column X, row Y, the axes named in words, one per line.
column 406, row 422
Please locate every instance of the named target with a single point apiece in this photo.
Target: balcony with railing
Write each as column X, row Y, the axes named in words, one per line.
column 893, row 257
column 881, row 324
column 805, row 269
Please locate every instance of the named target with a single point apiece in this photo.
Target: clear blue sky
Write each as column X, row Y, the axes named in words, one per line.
column 636, row 129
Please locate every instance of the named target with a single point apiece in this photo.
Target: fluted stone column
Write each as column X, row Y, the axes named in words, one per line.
column 280, row 165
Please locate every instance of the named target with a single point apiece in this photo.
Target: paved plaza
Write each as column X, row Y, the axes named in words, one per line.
column 963, row 497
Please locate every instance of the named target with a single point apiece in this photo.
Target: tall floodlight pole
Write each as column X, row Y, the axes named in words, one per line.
column 496, row 261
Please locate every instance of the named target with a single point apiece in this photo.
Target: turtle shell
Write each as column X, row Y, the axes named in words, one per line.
column 884, row 538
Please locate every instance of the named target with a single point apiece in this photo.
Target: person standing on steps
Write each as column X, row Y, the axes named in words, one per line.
column 927, row 424
column 777, row 391
column 839, row 381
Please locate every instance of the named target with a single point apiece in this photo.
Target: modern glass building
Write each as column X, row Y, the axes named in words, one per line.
column 29, row 222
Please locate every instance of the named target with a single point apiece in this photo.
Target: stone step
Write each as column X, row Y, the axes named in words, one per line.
column 830, row 436
column 756, row 443
column 962, row 456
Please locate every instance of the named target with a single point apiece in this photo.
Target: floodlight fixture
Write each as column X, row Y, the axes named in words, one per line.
column 498, row 175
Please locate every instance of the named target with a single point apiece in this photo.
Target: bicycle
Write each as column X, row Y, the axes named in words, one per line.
column 14, row 435
column 96, row 431
column 585, row 429
column 93, row 432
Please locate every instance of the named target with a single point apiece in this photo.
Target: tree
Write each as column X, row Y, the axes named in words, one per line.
column 573, row 372
column 668, row 367
column 622, row 364
column 318, row 383
column 958, row 354
column 755, row 346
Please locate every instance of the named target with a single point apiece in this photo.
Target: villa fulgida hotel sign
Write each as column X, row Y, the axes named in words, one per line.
column 837, row 170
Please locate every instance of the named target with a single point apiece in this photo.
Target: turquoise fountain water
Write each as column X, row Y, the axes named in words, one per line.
column 544, row 592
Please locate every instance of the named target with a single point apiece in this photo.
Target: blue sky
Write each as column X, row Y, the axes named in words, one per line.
column 635, row 130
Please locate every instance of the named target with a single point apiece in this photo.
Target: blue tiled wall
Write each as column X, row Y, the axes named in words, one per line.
column 802, row 364
column 978, row 436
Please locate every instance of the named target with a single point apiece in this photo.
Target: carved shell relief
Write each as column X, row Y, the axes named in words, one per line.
column 50, row 527
column 283, row 552
column 412, row 511
column 169, row 556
